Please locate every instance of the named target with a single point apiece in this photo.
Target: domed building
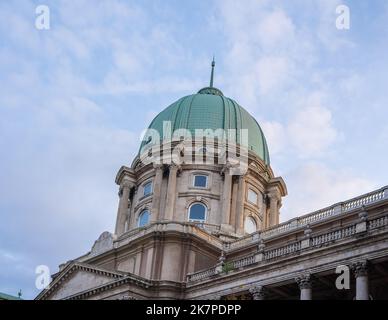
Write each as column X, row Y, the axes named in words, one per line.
column 198, row 218
column 202, row 183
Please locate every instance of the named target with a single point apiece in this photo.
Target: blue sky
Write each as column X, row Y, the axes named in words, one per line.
column 74, row 100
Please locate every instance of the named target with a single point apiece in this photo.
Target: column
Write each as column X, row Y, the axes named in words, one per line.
column 226, row 196
column 257, row 292
column 240, row 206
column 171, row 192
column 274, row 197
column 122, row 211
column 305, row 285
column 233, row 211
column 157, row 186
column 360, row 270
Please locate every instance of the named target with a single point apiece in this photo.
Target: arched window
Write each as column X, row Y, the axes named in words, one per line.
column 197, row 212
column 250, row 225
column 144, row 218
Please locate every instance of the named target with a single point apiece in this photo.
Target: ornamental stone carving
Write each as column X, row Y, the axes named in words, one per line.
column 257, row 292
column 360, row 268
column 102, row 244
column 304, row 281
column 127, row 297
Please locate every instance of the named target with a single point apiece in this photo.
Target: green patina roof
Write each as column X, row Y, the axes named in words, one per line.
column 4, row 296
column 210, row 109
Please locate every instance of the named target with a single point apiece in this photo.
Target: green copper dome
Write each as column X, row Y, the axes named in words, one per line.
column 210, row 109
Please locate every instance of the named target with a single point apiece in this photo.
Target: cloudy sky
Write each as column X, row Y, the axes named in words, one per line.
column 75, row 98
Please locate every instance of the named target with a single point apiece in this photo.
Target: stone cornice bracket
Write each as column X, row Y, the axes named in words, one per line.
column 360, row 268
column 257, row 292
column 304, row 281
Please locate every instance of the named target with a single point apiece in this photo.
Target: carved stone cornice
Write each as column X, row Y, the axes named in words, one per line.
column 125, row 173
column 360, row 268
column 304, row 281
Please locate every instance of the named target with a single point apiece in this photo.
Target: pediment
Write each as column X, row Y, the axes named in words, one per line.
column 75, row 279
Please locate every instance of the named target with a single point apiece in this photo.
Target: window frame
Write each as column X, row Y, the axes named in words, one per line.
column 257, row 196
column 201, row 175
column 144, row 188
column 197, row 220
column 140, row 216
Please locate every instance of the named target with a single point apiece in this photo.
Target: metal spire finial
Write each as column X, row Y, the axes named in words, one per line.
column 212, row 74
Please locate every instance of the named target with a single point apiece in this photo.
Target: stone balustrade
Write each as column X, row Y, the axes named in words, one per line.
column 378, row 223
column 212, row 228
column 365, row 199
column 310, row 242
column 200, row 275
column 316, row 216
column 246, row 261
column 333, row 236
column 282, row 251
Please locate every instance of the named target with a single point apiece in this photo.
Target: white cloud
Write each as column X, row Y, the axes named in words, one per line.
column 314, row 185
column 276, row 136
column 275, row 29
column 271, row 73
column 309, row 133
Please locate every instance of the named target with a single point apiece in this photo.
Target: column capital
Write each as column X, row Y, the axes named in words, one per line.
column 257, row 292
column 304, row 281
column 360, row 268
column 127, row 184
column 226, row 168
column 274, row 194
column 175, row 166
column 158, row 166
